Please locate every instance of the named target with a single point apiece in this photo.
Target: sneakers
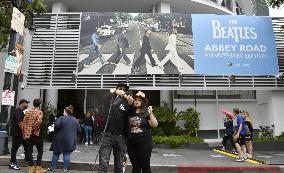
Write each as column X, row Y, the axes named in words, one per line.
column 50, row 170
column 65, row 170
column 249, row 156
column 91, row 143
column 241, row 159
column 86, row 143
column 14, row 166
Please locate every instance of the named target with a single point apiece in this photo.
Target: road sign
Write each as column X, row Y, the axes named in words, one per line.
column 18, row 21
column 8, row 97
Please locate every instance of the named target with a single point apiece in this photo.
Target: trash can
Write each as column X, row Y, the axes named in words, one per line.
column 3, row 142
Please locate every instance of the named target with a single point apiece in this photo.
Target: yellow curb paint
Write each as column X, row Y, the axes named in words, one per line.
column 236, row 156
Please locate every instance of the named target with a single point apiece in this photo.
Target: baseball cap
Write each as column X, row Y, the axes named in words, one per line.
column 122, row 84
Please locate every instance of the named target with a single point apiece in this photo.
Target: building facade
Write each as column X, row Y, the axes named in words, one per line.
column 53, row 53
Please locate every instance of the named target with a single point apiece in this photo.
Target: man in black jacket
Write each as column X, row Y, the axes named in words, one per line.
column 116, row 131
column 122, row 44
column 16, row 132
column 145, row 49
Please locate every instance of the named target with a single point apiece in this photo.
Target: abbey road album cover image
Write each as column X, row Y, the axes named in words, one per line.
column 135, row 43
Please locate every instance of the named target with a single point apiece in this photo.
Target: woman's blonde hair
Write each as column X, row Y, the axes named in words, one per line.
column 247, row 116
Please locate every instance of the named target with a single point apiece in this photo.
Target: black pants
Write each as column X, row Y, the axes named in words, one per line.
column 17, row 141
column 225, row 140
column 141, row 58
column 115, row 58
column 30, row 143
column 139, row 150
column 115, row 143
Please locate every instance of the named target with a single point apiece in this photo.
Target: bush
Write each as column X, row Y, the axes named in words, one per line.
column 191, row 119
column 167, row 122
column 280, row 137
column 263, row 139
column 277, row 138
column 176, row 140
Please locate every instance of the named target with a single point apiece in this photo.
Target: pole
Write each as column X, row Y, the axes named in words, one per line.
column 217, row 114
column 2, row 75
column 8, row 84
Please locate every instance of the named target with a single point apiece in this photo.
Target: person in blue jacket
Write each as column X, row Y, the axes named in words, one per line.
column 94, row 51
column 65, row 138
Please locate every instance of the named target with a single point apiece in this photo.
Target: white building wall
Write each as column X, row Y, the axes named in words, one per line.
column 211, row 117
column 276, row 111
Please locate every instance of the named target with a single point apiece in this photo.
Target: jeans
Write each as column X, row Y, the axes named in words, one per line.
column 17, row 141
column 30, row 142
column 66, row 160
column 115, row 143
column 94, row 53
column 88, row 132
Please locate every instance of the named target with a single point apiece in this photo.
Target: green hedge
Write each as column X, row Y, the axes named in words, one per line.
column 277, row 138
column 176, row 140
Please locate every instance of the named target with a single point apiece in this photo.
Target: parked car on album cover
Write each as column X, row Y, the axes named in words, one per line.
column 125, row 25
column 105, row 31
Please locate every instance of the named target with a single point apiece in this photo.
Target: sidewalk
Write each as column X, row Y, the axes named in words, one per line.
column 167, row 160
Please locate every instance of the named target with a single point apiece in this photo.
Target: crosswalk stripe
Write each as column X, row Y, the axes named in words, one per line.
column 95, row 66
column 122, row 68
column 254, row 161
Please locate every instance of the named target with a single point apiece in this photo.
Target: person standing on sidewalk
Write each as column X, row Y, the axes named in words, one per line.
column 65, row 139
column 16, row 132
column 229, row 131
column 88, row 127
column 116, row 130
column 31, row 133
column 140, row 145
column 248, row 123
column 240, row 136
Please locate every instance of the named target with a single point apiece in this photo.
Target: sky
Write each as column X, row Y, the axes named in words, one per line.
column 277, row 12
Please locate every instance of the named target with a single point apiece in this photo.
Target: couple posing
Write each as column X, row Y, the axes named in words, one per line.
column 129, row 118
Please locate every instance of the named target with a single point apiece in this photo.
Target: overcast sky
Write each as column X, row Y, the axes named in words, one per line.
column 277, row 12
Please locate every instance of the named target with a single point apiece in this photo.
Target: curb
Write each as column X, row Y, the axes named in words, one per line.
column 227, row 169
column 87, row 166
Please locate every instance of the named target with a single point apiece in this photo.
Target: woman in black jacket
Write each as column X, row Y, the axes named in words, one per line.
column 229, row 131
column 139, row 146
column 64, row 141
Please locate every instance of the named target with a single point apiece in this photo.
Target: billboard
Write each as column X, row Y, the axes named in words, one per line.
column 234, row 45
column 135, row 43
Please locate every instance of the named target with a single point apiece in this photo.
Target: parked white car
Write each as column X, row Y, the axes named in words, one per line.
column 105, row 31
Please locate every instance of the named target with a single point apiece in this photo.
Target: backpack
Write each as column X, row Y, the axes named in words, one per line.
column 247, row 130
